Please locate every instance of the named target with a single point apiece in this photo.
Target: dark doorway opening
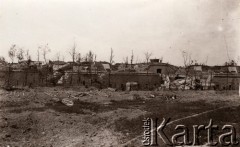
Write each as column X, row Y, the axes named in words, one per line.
column 159, row 70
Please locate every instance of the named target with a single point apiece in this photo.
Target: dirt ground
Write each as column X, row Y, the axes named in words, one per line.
column 38, row 117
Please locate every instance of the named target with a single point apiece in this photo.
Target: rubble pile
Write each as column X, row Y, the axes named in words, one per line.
column 181, row 84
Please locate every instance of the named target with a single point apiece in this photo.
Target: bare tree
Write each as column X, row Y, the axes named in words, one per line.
column 233, row 61
column 86, row 58
column 125, row 60
column 79, row 58
column 111, row 63
column 90, row 56
column 132, row 59
column 95, row 58
column 45, row 51
column 2, row 60
column 58, row 56
column 38, row 53
column 20, row 55
column 12, row 55
column 12, row 52
column 28, row 56
column 147, row 56
column 187, row 60
column 206, row 61
column 111, row 57
column 73, row 52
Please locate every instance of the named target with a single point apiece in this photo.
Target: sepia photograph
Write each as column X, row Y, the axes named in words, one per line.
column 119, row 73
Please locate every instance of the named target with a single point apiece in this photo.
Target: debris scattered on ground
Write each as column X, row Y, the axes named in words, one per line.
column 107, row 103
column 81, row 94
column 80, row 117
column 181, row 84
column 56, row 99
column 112, row 89
column 136, row 97
column 103, row 93
column 152, row 96
column 67, row 102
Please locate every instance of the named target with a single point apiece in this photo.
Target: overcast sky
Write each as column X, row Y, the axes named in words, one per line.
column 163, row 27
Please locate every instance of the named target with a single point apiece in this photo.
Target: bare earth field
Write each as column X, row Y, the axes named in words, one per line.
column 37, row 117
